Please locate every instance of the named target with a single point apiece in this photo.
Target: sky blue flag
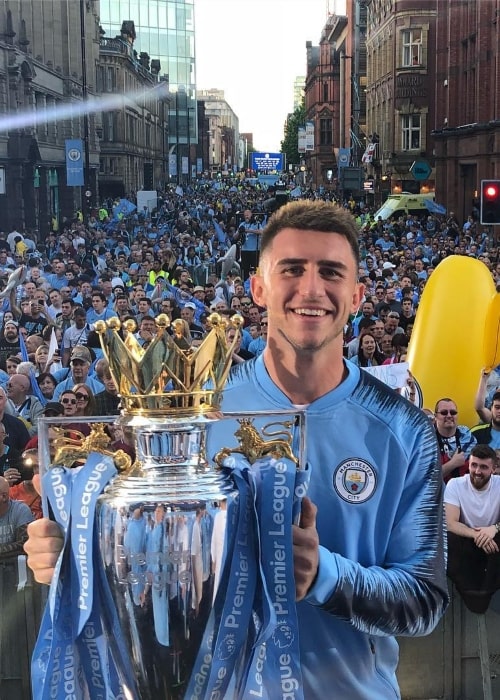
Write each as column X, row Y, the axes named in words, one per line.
column 35, row 389
column 221, row 236
column 123, row 209
column 434, row 208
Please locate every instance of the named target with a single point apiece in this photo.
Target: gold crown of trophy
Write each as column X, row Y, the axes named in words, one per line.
column 162, row 521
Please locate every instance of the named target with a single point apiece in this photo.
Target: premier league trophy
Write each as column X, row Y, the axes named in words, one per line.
column 184, row 586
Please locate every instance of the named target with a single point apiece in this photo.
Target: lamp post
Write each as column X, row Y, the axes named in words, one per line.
column 86, row 199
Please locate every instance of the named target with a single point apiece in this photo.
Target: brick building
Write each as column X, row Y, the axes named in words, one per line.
column 467, row 126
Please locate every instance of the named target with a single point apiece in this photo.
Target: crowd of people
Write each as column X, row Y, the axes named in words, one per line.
column 195, row 253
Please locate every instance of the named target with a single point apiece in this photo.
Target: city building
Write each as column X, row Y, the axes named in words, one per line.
column 165, row 30
column 335, row 96
column 223, row 128
column 134, row 144
column 401, row 74
column 47, row 54
column 466, row 134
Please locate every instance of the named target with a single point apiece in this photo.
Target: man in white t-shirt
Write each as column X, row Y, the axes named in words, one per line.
column 472, row 505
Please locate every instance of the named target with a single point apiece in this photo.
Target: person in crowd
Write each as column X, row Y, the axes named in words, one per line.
column 352, row 546
column 455, row 441
column 78, row 373
column 257, row 346
column 368, row 354
column 12, row 363
column 489, row 433
column 22, row 402
column 25, row 490
column 10, row 459
column 9, row 341
column 47, row 383
column 85, row 400
column 14, row 518
column 17, row 434
column 77, row 334
column 472, row 506
column 107, row 401
column 43, row 363
column 399, row 344
column 239, row 354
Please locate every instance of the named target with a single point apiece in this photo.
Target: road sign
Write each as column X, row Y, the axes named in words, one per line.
column 420, row 169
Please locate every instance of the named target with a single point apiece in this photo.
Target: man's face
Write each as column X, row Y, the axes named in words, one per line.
column 367, row 309
column 378, row 330
column 121, row 304
column 17, row 387
column 187, row 314
column 308, row 302
column 246, row 304
column 66, row 309
column 391, row 323
column 86, row 289
column 254, row 314
column 59, row 268
column 143, row 306
column 97, row 304
column 147, row 328
column 407, row 306
column 480, row 471
column 254, row 330
column 55, row 298
column 11, row 332
column 446, row 416
column 109, row 384
column 495, row 414
column 79, row 319
column 29, row 289
column 80, row 370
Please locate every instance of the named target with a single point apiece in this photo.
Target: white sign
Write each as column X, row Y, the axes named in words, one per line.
column 395, row 375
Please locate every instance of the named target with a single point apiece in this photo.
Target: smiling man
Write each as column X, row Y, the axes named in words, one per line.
column 368, row 562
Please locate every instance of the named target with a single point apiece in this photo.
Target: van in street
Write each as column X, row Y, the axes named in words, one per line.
column 405, row 203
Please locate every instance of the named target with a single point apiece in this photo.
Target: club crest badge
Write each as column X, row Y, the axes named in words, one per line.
column 355, row 480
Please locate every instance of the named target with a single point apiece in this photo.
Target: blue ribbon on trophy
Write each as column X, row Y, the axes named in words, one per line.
column 80, row 652
column 251, row 642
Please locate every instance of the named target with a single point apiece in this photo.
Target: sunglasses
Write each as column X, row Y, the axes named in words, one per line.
column 246, row 303
column 452, row 412
column 68, row 401
column 82, row 397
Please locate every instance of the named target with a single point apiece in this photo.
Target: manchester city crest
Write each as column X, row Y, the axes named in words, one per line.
column 355, row 480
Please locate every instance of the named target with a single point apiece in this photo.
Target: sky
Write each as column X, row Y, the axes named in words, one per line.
column 254, row 50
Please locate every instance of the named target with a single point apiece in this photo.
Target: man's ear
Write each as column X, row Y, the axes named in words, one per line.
column 258, row 290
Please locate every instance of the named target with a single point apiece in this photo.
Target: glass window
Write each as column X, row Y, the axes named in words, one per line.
column 171, row 16
column 411, row 137
column 412, row 47
column 325, row 132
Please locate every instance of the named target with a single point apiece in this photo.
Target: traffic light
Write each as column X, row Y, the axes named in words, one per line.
column 490, row 201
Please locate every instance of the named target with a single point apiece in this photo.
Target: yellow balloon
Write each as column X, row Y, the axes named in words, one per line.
column 447, row 347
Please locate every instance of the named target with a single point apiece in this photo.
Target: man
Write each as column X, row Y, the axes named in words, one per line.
column 187, row 314
column 76, row 334
column 472, row 505
column 78, row 373
column 108, row 401
column 367, row 311
column 490, row 434
column 25, row 406
column 14, row 518
column 9, row 342
column 361, row 573
column 100, row 310
column 455, row 441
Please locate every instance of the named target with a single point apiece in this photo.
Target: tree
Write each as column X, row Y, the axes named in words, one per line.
column 290, row 144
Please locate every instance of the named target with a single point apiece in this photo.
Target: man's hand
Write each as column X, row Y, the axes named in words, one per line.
column 305, row 549
column 484, row 538
column 45, row 541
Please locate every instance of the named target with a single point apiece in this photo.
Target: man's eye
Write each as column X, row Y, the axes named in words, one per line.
column 294, row 270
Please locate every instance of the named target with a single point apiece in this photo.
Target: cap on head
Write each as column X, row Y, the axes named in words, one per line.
column 80, row 352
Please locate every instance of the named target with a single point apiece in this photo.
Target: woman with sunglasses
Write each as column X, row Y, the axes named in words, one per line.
column 70, row 405
column 85, row 401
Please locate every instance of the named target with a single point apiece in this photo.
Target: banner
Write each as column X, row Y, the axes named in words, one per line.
column 74, row 163
column 301, row 139
column 309, row 136
column 343, row 157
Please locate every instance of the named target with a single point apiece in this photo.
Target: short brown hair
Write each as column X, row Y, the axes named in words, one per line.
column 307, row 215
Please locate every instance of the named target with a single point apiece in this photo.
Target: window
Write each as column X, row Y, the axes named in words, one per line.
column 412, row 47
column 325, row 92
column 411, row 132
column 108, row 126
column 325, row 132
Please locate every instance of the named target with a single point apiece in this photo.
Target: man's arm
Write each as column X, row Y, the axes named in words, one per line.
column 13, row 548
column 484, row 537
column 479, row 407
